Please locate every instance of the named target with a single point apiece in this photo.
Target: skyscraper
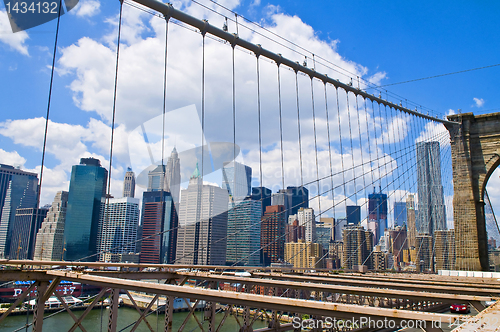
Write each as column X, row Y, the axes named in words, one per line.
column 293, row 231
column 272, row 234
column 167, row 177
column 173, row 175
column 118, row 228
column 159, row 228
column 411, row 217
column 303, row 254
column 292, row 198
column 87, row 189
column 18, row 190
column 400, row 215
column 353, row 214
column 377, row 211
column 50, row 238
column 323, row 235
column 201, row 238
column 306, row 218
column 244, row 233
column 431, row 210
column 263, row 195
column 357, row 247
column 339, row 226
column 129, row 184
column 26, row 224
column 237, row 179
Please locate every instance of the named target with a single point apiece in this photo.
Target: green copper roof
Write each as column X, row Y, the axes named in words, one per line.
column 196, row 173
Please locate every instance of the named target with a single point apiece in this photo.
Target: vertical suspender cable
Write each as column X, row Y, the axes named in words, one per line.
column 369, row 143
column 163, row 171
column 39, row 191
column 281, row 129
column 340, row 141
column 260, row 128
column 352, row 151
column 298, row 124
column 315, row 146
column 164, row 94
column 360, row 145
column 234, row 104
column 114, row 114
column 376, row 141
column 202, row 106
column 329, row 150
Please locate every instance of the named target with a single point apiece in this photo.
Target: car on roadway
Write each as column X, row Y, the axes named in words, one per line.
column 460, row 308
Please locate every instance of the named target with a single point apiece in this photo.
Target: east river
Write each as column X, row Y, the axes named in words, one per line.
column 96, row 321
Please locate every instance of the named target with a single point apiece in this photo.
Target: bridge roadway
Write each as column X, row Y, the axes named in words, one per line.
column 411, row 293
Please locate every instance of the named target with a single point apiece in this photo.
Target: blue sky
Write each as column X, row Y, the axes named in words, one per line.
column 385, row 42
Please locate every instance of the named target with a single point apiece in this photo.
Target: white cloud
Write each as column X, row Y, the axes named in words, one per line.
column 16, row 41
column 86, row 8
column 11, row 158
column 67, row 143
column 479, row 102
column 434, row 131
column 377, row 78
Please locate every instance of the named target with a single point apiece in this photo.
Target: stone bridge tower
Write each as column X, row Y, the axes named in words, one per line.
column 475, row 151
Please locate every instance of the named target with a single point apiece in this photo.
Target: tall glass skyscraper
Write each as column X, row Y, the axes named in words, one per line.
column 400, row 214
column 159, row 228
column 263, row 195
column 353, row 214
column 292, row 198
column 243, row 233
column 118, row 228
column 18, row 190
column 377, row 212
column 87, row 189
column 237, row 179
column 431, row 210
column 24, row 231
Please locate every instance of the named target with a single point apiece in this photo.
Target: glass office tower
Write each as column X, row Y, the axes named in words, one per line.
column 87, row 190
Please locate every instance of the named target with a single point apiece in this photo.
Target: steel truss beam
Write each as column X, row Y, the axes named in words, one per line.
column 459, row 289
column 251, row 300
column 382, row 292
